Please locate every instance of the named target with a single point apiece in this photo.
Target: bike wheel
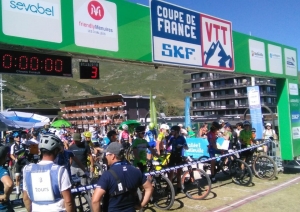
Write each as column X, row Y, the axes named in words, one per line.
column 82, row 202
column 196, row 184
column 240, row 176
column 163, row 195
column 264, row 167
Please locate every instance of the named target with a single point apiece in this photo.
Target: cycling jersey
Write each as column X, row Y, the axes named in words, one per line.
column 141, row 146
column 150, row 136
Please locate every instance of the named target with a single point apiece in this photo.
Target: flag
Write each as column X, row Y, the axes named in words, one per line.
column 153, row 118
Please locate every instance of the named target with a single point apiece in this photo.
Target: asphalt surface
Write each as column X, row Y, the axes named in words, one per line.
column 280, row 194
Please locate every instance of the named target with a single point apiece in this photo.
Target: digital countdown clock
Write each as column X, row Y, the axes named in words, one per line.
column 18, row 62
column 89, row 70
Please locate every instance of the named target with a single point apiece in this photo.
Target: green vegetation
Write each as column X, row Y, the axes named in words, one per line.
column 46, row 92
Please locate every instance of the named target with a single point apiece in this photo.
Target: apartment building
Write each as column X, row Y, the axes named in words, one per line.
column 226, row 94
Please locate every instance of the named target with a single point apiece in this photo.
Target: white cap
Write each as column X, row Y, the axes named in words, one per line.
column 268, row 124
column 221, row 121
column 180, row 125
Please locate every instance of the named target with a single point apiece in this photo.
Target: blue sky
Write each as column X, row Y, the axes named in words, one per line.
column 274, row 20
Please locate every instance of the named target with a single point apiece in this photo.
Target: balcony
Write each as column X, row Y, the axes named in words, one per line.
column 268, row 93
column 216, row 87
column 93, row 114
column 189, row 72
column 224, row 107
column 99, row 122
column 92, row 106
column 203, row 79
column 266, row 82
column 226, row 96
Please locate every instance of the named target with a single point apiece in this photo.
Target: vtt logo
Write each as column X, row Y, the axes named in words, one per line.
column 96, row 10
column 170, row 50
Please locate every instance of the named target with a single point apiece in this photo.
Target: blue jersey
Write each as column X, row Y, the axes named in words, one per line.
column 178, row 150
column 150, row 136
column 63, row 159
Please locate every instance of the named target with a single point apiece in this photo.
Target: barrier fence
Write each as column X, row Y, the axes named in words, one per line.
column 89, row 187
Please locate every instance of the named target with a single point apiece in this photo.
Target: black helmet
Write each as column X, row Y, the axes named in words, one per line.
column 140, row 129
column 175, row 128
column 246, row 123
column 215, row 124
column 111, row 133
column 253, row 130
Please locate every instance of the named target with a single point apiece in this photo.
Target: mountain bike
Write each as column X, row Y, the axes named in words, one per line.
column 82, row 198
column 263, row 166
column 163, row 195
column 230, row 165
column 195, row 183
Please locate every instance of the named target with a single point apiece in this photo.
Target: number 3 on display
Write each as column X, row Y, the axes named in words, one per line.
column 94, row 72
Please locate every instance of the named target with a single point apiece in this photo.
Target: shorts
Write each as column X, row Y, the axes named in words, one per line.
column 175, row 160
column 246, row 154
column 19, row 166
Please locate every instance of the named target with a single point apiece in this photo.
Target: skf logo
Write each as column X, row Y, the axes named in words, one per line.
column 96, row 10
column 177, row 51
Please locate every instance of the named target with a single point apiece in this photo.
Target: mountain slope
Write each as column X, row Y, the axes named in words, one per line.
column 45, row 92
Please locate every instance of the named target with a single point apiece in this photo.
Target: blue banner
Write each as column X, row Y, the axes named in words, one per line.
column 197, row 147
column 187, row 112
column 255, row 110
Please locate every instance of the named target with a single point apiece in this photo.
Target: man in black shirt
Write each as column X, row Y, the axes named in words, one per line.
column 81, row 151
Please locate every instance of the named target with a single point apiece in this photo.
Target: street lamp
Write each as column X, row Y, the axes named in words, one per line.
column 1, row 88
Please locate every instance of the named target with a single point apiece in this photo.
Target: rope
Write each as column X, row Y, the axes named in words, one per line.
column 89, row 187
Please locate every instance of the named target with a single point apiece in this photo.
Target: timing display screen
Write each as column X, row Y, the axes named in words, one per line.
column 89, row 70
column 18, row 62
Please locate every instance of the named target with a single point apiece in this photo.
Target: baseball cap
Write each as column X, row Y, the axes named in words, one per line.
column 180, row 125
column 114, row 148
column 268, row 124
column 221, row 121
column 76, row 137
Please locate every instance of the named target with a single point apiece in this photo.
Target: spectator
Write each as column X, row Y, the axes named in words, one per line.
column 222, row 126
column 47, row 186
column 203, row 131
column 183, row 131
column 120, row 183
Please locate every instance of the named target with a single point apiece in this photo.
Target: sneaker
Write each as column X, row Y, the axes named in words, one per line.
column 213, row 179
column 179, row 190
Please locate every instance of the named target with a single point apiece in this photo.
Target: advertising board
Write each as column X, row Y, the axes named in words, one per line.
column 184, row 37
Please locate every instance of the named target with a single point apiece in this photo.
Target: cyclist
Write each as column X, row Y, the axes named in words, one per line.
column 17, row 154
column 47, row 186
column 151, row 136
column 6, row 184
column 212, row 147
column 246, row 140
column 160, row 139
column 140, row 146
column 82, row 151
column 87, row 138
column 124, row 137
column 178, row 143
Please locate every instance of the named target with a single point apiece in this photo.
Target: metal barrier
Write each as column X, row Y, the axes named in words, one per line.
column 89, row 187
column 275, row 153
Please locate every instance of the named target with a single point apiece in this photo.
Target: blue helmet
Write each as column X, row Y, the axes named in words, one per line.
column 16, row 134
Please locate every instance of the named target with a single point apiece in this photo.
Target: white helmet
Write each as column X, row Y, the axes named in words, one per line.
column 164, row 126
column 49, row 142
column 125, row 127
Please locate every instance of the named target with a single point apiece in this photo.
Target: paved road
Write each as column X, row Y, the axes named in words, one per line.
column 276, row 195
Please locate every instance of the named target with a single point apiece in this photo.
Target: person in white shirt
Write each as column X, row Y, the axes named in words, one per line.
column 183, row 131
column 47, row 186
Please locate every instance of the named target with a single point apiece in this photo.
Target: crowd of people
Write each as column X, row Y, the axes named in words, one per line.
column 47, row 159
